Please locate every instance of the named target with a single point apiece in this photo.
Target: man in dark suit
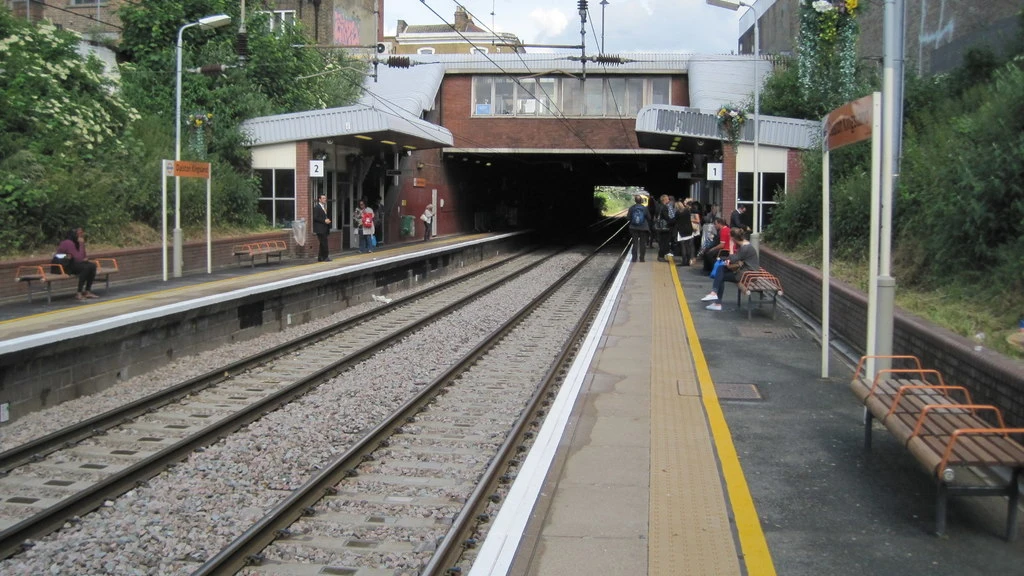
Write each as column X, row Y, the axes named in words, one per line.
column 321, row 227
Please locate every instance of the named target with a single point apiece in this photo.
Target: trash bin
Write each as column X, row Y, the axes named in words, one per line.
column 408, row 226
column 299, row 231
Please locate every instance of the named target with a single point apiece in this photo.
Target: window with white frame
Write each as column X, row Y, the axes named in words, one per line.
column 425, row 51
column 601, row 97
column 477, row 50
column 277, row 195
column 84, row 2
column 279, row 19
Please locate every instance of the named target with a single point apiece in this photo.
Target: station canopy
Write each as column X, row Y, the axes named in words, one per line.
column 388, row 115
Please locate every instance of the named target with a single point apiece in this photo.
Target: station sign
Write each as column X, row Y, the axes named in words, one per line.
column 183, row 169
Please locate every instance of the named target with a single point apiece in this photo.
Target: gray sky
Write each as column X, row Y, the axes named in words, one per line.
column 629, row 25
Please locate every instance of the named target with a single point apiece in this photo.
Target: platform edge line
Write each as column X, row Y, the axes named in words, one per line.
column 756, row 556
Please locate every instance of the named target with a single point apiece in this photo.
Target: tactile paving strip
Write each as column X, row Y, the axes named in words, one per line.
column 690, row 531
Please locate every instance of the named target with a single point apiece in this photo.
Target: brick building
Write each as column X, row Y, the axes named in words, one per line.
column 461, row 36
column 511, row 140
column 937, row 32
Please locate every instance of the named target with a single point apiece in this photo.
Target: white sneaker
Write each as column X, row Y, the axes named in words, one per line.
column 711, row 296
column 716, row 307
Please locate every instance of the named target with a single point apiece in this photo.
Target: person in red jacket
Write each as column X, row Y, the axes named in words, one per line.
column 74, row 248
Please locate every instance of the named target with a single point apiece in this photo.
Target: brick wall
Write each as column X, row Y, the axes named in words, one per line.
column 519, row 132
column 991, row 378
column 143, row 263
column 728, row 181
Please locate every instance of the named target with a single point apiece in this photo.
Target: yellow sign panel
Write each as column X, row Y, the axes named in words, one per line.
column 184, row 169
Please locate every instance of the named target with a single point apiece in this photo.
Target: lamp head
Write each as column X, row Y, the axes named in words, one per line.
column 215, row 21
column 729, row 4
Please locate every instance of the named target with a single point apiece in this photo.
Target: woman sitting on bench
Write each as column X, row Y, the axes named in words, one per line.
column 74, row 247
column 745, row 259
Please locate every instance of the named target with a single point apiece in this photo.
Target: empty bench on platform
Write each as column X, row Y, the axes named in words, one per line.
column 943, row 429
column 254, row 249
column 763, row 284
column 47, row 274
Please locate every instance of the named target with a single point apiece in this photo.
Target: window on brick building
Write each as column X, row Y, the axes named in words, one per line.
column 773, row 185
column 280, row 18
column 660, row 91
column 599, row 97
column 277, row 196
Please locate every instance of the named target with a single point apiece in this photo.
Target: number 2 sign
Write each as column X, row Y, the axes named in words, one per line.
column 316, row 168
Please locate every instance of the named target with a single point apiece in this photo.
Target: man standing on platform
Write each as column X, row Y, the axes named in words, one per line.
column 321, row 227
column 638, row 227
column 736, row 218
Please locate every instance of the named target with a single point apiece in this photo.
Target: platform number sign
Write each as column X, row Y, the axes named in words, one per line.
column 715, row 171
column 316, row 168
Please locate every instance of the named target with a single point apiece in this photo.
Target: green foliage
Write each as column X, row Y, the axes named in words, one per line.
column 66, row 149
column 959, row 213
column 613, row 199
column 76, row 149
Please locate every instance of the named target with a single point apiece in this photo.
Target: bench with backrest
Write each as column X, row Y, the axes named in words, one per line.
column 759, row 282
column 47, row 274
column 267, row 248
column 945, row 431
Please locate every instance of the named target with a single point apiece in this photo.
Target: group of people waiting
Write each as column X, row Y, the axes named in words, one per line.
column 682, row 231
column 364, row 221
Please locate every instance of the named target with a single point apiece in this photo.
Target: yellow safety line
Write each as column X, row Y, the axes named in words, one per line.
column 756, row 555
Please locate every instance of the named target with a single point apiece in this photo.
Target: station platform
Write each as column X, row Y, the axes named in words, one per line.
column 22, row 318
column 704, row 443
column 696, row 442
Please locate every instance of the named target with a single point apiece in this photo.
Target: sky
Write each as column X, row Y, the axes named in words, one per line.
column 629, row 25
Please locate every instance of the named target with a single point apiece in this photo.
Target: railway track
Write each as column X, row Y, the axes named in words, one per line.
column 56, row 478
column 410, row 496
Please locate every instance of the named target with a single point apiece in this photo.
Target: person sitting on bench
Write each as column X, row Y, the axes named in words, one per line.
column 74, row 247
column 743, row 260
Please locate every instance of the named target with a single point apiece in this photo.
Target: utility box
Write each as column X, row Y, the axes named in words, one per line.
column 408, row 227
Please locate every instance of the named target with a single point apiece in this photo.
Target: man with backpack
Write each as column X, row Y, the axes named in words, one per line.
column 638, row 226
column 362, row 219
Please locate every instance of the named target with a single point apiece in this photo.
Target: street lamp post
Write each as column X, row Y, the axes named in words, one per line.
column 603, row 4
column 755, row 236
column 205, row 23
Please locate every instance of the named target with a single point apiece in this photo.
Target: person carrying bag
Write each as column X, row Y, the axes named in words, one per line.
column 428, row 219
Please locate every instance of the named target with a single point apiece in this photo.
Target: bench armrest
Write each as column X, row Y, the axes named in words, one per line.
column 957, row 434
column 864, row 359
column 33, row 272
column 106, row 265
column 944, row 389
column 972, row 407
column 922, row 373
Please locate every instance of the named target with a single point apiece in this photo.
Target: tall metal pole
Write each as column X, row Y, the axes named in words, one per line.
column 892, row 104
column 603, row 4
column 177, row 154
column 755, row 236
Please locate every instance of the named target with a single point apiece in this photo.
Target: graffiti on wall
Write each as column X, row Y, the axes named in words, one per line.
column 346, row 30
column 941, row 34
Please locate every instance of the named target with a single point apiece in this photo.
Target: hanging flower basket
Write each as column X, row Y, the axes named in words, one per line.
column 198, row 124
column 730, row 121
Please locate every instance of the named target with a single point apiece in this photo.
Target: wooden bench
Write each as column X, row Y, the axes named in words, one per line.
column 763, row 284
column 47, row 274
column 942, row 427
column 253, row 249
